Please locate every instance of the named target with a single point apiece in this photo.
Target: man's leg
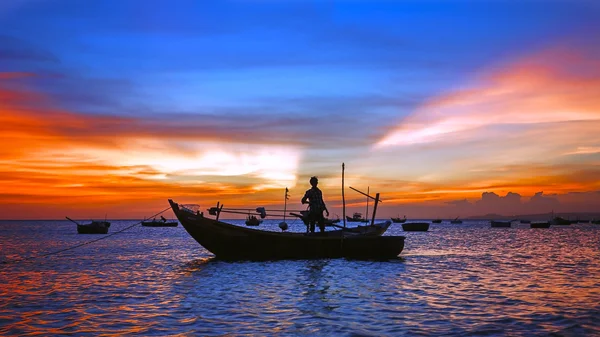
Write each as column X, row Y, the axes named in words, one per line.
column 322, row 223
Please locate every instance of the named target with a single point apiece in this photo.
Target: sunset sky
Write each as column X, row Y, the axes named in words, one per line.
column 445, row 108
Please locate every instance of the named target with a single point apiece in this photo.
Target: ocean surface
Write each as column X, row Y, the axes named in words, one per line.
column 455, row 280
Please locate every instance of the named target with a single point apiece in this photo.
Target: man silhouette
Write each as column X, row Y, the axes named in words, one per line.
column 316, row 205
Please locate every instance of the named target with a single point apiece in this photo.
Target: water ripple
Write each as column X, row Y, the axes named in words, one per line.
column 456, row 280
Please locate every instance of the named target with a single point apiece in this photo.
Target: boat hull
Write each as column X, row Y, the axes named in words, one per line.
column 540, row 225
column 89, row 229
column 415, row 226
column 500, row 224
column 232, row 242
column 159, row 224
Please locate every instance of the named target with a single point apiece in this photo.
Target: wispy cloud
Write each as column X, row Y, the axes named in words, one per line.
column 551, row 87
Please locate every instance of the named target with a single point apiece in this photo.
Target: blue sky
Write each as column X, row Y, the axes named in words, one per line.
column 324, row 81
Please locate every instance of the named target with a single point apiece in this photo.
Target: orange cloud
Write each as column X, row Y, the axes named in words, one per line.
column 550, row 87
column 53, row 158
column 526, row 127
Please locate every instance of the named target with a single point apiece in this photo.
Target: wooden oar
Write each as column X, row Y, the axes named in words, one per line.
column 72, row 220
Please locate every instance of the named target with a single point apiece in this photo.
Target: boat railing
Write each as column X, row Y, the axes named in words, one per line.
column 190, row 208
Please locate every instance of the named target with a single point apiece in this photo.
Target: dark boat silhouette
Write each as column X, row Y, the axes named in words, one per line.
column 399, row 219
column 436, row 221
column 559, row 221
column 540, row 224
column 231, row 242
column 252, row 220
column 159, row 223
column 456, row 221
column 495, row 223
column 415, row 226
column 356, row 217
column 95, row 227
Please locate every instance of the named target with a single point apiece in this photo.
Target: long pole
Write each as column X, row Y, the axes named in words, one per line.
column 367, row 212
column 285, row 203
column 343, row 199
column 375, row 208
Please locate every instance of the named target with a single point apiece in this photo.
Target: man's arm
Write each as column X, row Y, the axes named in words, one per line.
column 304, row 198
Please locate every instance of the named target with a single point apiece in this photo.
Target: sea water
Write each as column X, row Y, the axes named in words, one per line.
column 454, row 280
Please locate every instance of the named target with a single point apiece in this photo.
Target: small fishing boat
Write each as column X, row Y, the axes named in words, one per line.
column 231, row 242
column 252, row 220
column 163, row 222
column 95, row 227
column 356, row 217
column 595, row 222
column 456, row 221
column 496, row 223
column 415, row 226
column 399, row 219
column 540, row 224
column 524, row 221
column 559, row 221
column 436, row 221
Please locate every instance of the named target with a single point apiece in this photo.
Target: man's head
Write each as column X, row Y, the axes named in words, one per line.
column 314, row 181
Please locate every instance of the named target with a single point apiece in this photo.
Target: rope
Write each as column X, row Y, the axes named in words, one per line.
column 83, row 244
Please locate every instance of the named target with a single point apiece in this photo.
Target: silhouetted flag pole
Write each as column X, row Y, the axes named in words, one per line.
column 343, row 199
column 285, row 202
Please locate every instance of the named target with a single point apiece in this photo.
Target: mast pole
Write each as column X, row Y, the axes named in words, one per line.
column 285, row 203
column 375, row 208
column 343, row 199
column 367, row 212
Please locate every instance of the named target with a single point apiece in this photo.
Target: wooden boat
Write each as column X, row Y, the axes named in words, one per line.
column 252, row 220
column 496, row 223
column 456, row 221
column 415, row 226
column 159, row 223
column 95, row 227
column 356, row 217
column 540, row 224
column 436, row 221
column 399, row 219
column 231, row 242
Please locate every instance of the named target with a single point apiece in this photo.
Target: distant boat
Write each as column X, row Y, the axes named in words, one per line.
column 356, row 217
column 559, row 221
column 595, row 222
column 160, row 223
column 456, row 220
column 495, row 223
column 399, row 219
column 95, row 227
column 525, row 221
column 540, row 224
column 252, row 220
column 415, row 226
column 436, row 221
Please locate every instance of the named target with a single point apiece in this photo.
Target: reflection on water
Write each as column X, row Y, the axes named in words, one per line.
column 453, row 280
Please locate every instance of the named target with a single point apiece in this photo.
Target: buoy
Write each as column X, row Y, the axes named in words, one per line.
column 283, row 225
